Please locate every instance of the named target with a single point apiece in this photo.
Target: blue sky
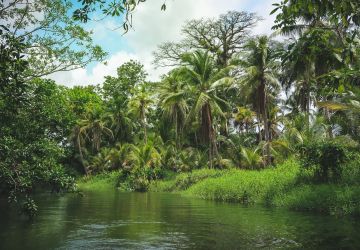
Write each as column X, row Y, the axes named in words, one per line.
column 151, row 28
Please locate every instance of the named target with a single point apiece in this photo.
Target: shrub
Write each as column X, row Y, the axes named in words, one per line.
column 326, row 158
column 351, row 170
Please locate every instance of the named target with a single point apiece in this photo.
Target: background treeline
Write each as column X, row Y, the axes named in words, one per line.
column 232, row 100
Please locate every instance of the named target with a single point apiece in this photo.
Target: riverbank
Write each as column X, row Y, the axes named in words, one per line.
column 284, row 186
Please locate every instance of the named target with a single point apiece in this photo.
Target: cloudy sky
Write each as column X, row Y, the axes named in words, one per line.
column 151, row 28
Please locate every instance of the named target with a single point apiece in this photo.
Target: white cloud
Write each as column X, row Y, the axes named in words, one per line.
column 153, row 27
column 96, row 74
column 263, row 9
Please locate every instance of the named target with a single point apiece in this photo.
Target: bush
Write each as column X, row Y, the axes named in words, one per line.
column 26, row 167
column 327, row 158
column 351, row 170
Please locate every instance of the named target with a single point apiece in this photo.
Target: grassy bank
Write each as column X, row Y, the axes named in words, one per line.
column 283, row 186
column 99, row 182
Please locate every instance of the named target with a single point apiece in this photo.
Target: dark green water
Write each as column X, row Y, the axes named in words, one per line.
column 113, row 220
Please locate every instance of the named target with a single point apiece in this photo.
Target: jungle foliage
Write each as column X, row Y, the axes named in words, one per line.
column 232, row 100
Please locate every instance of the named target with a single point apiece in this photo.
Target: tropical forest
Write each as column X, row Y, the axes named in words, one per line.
column 154, row 124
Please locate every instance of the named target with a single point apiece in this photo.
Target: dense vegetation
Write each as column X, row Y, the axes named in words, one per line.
column 233, row 100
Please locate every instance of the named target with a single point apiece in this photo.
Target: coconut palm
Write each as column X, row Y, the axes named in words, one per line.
column 312, row 56
column 259, row 81
column 93, row 127
column 144, row 158
column 250, row 158
column 204, row 79
column 139, row 106
column 244, row 119
column 299, row 73
column 118, row 156
column 78, row 138
column 173, row 102
column 122, row 126
column 91, row 130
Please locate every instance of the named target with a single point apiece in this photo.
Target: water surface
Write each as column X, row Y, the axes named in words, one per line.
column 117, row 220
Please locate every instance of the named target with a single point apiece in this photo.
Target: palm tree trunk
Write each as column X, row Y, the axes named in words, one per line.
column 176, row 129
column 208, row 132
column 328, row 118
column 81, row 156
column 259, row 125
column 308, row 102
column 143, row 121
column 263, row 107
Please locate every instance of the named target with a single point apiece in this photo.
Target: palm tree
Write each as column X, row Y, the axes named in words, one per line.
column 204, row 78
column 139, row 106
column 94, row 126
column 173, row 101
column 318, row 51
column 146, row 156
column 299, row 73
column 100, row 161
column 259, row 81
column 244, row 118
column 91, row 129
column 250, row 158
column 78, row 138
column 122, row 126
column 119, row 157
column 349, row 105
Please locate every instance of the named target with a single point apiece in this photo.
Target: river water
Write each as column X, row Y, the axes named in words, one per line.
column 118, row 220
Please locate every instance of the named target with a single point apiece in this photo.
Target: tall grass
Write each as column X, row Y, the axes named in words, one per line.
column 283, row 186
column 325, row 198
column 185, row 180
column 248, row 186
column 102, row 181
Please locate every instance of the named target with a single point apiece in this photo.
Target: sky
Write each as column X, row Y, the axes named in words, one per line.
column 151, row 27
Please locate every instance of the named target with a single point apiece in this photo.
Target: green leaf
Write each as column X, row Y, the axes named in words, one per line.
column 341, row 89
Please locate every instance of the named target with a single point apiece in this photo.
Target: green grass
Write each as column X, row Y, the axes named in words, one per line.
column 248, row 186
column 284, row 186
column 325, row 198
column 99, row 182
column 184, row 180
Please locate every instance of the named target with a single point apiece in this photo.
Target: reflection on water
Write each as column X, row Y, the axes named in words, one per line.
column 112, row 219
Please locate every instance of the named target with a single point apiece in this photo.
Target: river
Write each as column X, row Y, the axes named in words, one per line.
column 118, row 220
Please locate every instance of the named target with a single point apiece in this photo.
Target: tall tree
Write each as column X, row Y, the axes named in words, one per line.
column 117, row 92
column 90, row 131
column 259, row 80
column 205, row 79
column 173, row 101
column 139, row 106
column 222, row 38
column 53, row 40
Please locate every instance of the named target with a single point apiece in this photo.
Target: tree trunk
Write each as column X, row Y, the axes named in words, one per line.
column 81, row 156
column 308, row 102
column 176, row 129
column 143, row 121
column 209, row 132
column 327, row 116
column 263, row 108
